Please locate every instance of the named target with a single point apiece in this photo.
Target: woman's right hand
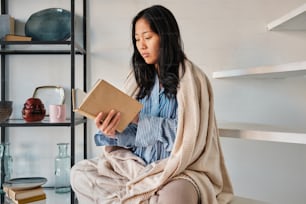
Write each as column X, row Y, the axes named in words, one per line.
column 110, row 123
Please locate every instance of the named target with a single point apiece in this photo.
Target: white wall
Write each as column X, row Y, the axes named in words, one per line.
column 218, row 35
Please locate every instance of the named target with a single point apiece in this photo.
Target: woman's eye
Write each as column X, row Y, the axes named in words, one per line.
column 136, row 40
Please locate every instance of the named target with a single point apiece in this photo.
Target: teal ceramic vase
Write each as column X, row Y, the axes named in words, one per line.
column 51, row 24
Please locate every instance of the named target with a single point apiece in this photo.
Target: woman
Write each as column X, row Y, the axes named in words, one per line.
column 170, row 153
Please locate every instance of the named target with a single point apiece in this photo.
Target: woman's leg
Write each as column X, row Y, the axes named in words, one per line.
column 179, row 191
column 92, row 186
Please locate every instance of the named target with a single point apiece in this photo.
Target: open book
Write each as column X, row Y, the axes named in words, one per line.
column 104, row 97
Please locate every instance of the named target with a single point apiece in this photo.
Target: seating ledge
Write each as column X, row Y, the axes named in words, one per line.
column 242, row 200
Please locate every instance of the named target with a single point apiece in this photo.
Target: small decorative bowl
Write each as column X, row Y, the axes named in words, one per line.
column 5, row 110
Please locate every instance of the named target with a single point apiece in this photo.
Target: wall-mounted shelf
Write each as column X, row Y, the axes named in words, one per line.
column 261, row 132
column 274, row 71
column 294, row 20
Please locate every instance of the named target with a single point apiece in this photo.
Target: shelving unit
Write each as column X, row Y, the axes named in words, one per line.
column 294, row 20
column 69, row 48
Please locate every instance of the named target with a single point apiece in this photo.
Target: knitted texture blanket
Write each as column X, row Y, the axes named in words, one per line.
column 122, row 177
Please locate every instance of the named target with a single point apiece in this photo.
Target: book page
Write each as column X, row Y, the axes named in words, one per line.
column 78, row 97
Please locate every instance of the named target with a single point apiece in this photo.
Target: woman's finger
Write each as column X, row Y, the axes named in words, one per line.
column 110, row 129
column 115, row 121
column 109, row 117
column 98, row 120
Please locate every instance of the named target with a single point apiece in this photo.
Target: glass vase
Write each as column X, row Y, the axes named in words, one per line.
column 8, row 162
column 62, row 169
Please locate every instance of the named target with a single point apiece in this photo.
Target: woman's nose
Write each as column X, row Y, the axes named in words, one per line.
column 142, row 44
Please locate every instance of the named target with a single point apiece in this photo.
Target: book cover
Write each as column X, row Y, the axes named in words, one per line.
column 22, row 194
column 38, row 202
column 104, row 97
column 30, row 199
column 11, row 37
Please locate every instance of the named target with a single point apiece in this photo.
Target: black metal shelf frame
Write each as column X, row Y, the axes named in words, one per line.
column 72, row 49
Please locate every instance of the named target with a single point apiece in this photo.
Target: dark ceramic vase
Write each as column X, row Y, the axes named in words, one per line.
column 33, row 110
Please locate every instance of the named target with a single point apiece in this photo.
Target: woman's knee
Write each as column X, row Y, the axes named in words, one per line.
column 179, row 191
column 79, row 176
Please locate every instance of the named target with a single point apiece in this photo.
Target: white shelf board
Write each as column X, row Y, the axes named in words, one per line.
column 273, row 71
column 261, row 132
column 294, row 20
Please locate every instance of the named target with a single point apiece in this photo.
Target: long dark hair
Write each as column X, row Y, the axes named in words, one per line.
column 171, row 55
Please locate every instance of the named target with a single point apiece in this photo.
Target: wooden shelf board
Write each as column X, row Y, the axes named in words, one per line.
column 261, row 132
column 273, row 71
column 294, row 20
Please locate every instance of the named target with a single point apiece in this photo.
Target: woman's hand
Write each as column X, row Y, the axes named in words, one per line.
column 109, row 125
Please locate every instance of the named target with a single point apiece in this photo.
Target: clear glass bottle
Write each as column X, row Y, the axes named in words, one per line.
column 62, row 169
column 8, row 162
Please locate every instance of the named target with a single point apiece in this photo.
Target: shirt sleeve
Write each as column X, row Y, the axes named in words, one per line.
column 148, row 132
column 152, row 129
column 125, row 139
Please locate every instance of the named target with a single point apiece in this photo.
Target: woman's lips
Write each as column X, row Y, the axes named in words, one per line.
column 145, row 55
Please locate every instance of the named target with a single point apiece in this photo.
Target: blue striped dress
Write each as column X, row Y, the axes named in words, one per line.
column 153, row 137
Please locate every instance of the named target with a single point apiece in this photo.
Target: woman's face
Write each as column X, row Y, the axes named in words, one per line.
column 147, row 42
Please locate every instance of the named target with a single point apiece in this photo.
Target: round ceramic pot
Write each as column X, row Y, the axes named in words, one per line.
column 33, row 110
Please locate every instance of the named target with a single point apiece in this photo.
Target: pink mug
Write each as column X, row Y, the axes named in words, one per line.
column 57, row 113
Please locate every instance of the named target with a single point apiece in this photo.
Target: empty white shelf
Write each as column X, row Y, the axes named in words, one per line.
column 273, row 71
column 294, row 20
column 261, row 132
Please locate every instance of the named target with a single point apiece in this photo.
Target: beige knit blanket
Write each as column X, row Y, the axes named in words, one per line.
column 196, row 155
